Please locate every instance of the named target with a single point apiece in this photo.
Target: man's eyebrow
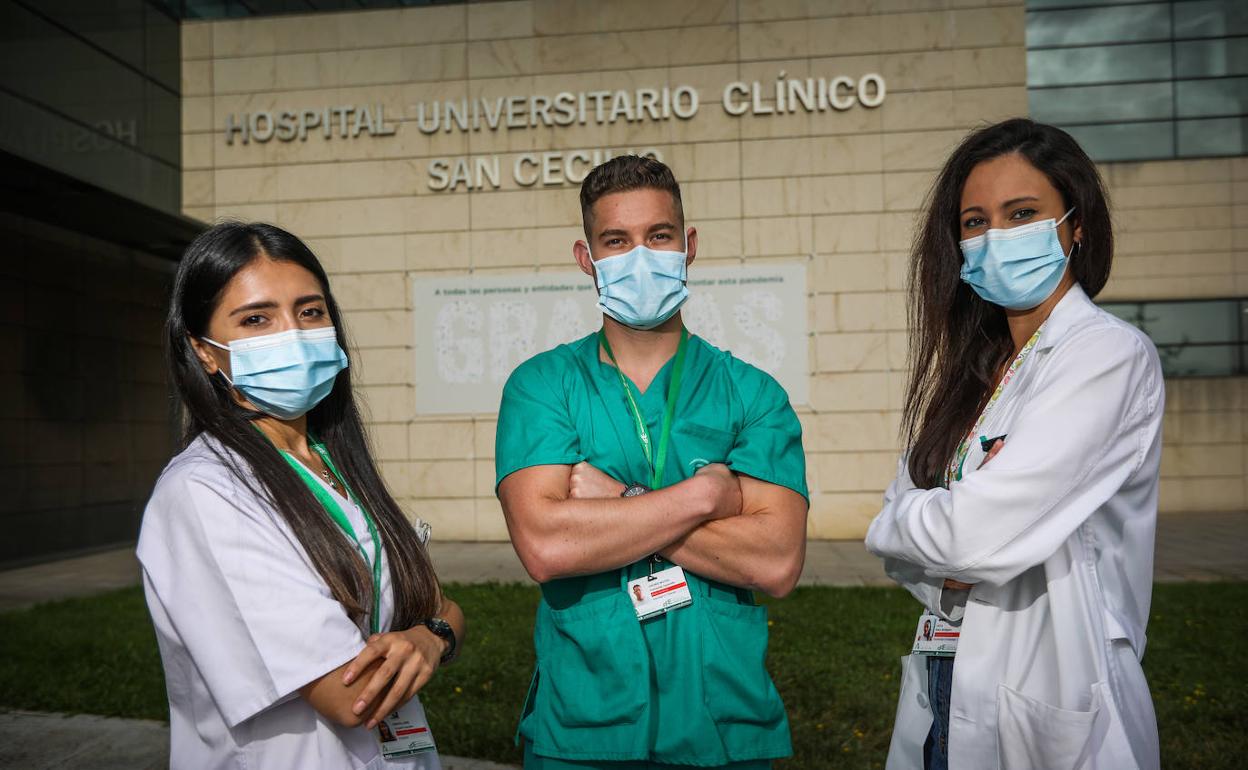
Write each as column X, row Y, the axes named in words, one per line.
column 267, row 304
column 661, row 226
column 615, row 232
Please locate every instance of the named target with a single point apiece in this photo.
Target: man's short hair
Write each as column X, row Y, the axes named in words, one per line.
column 624, row 173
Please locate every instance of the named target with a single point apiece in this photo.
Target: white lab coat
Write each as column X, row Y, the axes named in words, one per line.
column 243, row 621
column 1057, row 534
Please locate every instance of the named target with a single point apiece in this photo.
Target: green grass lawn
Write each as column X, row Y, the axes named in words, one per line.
column 834, row 655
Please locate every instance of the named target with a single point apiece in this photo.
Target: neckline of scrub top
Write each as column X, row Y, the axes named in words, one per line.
column 607, row 370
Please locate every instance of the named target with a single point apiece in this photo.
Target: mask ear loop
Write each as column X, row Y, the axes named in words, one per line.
column 226, row 348
column 1074, row 246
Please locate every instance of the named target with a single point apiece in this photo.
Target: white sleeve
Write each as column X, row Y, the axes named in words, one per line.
column 255, row 617
column 1077, row 441
column 911, row 576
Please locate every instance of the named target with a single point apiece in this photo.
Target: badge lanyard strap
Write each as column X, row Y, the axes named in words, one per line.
column 657, row 462
column 954, row 471
column 335, row 511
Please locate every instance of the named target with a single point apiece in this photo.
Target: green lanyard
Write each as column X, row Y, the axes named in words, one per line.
column 659, row 462
column 954, row 471
column 335, row 511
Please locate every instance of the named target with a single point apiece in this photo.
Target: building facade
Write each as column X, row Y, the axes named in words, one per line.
column 90, row 219
column 412, row 145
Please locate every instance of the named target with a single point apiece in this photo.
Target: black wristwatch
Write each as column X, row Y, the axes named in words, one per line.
column 443, row 630
column 635, row 490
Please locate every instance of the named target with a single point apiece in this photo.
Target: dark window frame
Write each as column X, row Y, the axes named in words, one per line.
column 1167, row 351
column 1177, row 126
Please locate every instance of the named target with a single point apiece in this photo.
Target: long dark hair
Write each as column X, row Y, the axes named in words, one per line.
column 210, row 262
column 958, row 341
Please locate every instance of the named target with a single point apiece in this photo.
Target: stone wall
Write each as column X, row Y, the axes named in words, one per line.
column 838, row 189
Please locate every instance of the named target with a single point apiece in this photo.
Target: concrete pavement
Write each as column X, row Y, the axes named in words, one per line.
column 34, row 741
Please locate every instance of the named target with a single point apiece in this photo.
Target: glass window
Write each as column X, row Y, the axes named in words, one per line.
column 1210, row 18
column 1126, row 141
column 1212, row 137
column 1213, row 97
column 1211, row 58
column 1083, row 26
column 1195, row 338
column 1101, row 104
column 1141, row 80
column 1099, row 64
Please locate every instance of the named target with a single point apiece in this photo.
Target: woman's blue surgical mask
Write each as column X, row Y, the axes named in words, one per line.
column 642, row 288
column 287, row 373
column 1017, row 268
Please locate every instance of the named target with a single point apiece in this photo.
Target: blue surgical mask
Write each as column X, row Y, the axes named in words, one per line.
column 287, row 373
column 1017, row 268
column 642, row 288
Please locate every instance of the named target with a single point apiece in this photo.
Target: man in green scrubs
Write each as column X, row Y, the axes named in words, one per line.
column 642, row 461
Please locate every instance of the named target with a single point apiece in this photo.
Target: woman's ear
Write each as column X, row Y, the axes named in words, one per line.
column 205, row 356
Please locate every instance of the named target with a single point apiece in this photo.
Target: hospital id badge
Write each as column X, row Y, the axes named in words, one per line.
column 405, row 732
column 935, row 636
column 659, row 593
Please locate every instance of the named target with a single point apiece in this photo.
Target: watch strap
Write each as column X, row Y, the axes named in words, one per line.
column 443, row 630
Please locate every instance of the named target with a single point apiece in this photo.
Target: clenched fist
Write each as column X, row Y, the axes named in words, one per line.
column 588, row 483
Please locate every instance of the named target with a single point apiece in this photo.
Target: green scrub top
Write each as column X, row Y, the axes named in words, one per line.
column 689, row 687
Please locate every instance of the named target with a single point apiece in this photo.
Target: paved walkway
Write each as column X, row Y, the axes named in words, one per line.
column 33, row 741
column 1190, row 546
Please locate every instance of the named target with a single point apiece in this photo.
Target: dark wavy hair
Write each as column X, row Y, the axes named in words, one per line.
column 958, row 341
column 208, row 407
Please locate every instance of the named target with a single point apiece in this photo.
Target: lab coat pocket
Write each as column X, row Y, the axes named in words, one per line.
column 1032, row 734
column 595, row 671
column 914, row 716
column 734, row 649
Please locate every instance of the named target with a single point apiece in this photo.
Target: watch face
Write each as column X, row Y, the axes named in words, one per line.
column 635, row 490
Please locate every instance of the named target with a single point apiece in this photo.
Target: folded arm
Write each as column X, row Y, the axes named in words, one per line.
column 557, row 535
column 763, row 549
column 391, row 669
column 1078, row 441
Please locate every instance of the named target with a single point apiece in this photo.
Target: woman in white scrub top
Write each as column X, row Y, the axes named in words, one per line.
column 1023, row 513
column 294, row 603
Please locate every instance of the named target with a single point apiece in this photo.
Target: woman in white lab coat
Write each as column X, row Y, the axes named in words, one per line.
column 1025, row 507
column 295, row 605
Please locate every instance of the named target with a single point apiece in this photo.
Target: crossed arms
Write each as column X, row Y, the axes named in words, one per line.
column 570, row 520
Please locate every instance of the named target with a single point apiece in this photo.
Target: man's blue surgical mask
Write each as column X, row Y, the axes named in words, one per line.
column 642, row 288
column 287, row 373
column 1017, row 268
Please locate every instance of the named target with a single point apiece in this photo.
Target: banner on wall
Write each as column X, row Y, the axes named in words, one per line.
column 472, row 331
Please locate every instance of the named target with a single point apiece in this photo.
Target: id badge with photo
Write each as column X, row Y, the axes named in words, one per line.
column 935, row 636
column 659, row 593
column 405, row 732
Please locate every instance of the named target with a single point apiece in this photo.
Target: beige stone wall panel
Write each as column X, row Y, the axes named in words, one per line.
column 841, row 190
column 563, row 17
column 976, row 67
